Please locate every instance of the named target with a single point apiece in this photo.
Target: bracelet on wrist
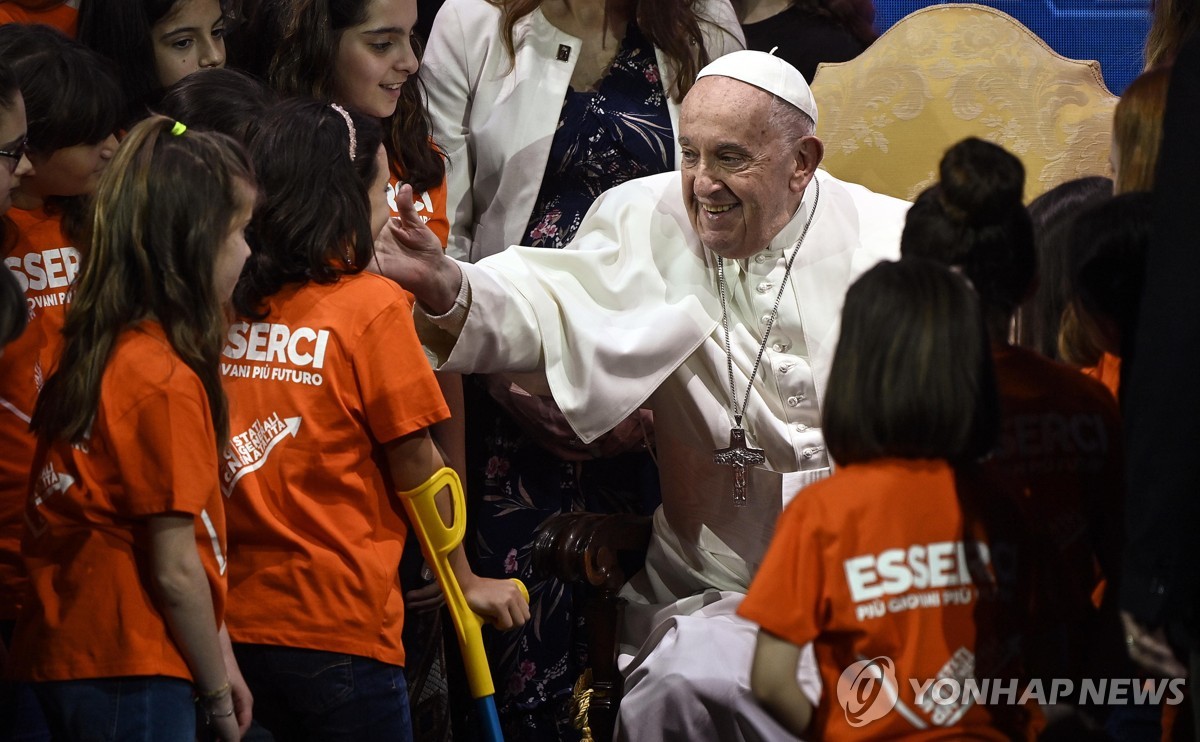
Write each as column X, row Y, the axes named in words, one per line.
column 214, row 694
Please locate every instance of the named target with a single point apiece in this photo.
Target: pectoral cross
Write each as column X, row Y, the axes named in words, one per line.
column 738, row 455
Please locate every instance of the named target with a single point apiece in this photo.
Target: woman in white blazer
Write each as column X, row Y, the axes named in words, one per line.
column 540, row 105
column 495, row 111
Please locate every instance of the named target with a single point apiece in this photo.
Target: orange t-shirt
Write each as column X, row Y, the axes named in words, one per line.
column 1061, row 448
column 1107, row 371
column 151, row 451
column 316, row 532
column 872, row 563
column 44, row 265
column 62, row 16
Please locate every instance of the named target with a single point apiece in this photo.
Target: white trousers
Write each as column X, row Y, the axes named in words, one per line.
column 687, row 662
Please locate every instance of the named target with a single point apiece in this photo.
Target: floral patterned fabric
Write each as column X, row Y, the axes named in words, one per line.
column 619, row 132
column 522, row 485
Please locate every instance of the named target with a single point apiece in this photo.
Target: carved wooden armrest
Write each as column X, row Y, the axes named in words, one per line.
column 604, row 551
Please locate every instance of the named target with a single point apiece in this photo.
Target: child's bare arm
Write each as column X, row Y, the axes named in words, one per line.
column 774, row 685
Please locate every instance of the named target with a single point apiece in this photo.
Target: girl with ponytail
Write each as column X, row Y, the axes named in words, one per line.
column 125, row 543
column 1060, row 454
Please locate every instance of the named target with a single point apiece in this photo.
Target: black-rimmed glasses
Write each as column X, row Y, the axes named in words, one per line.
column 15, row 154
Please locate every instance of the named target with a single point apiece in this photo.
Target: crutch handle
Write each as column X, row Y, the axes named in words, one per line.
column 437, row 540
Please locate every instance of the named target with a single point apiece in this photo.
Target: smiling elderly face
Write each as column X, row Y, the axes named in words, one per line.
column 743, row 175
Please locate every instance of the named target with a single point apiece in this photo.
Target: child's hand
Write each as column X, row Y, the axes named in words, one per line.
column 427, row 598
column 500, row 601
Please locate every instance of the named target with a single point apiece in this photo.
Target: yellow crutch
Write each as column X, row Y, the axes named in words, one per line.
column 437, row 541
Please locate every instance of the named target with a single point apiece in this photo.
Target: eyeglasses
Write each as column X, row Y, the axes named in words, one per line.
column 15, row 154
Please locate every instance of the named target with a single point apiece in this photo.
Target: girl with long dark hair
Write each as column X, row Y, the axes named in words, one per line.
column 333, row 399
column 125, row 545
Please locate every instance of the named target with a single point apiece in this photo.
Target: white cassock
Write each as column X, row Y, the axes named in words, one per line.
column 629, row 316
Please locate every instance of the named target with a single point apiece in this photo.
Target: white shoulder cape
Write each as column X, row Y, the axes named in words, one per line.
column 610, row 318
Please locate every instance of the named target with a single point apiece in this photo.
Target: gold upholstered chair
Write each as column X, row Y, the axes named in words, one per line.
column 946, row 72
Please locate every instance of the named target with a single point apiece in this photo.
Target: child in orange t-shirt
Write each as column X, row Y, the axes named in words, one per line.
column 125, row 540
column 19, row 711
column 1107, row 253
column 339, row 56
column 1060, row 457
column 363, row 55
column 331, row 401
column 71, row 102
column 898, row 568
column 72, row 106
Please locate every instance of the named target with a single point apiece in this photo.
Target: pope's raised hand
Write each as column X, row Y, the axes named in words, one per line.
column 410, row 254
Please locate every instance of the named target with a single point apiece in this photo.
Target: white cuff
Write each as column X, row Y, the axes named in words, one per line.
column 454, row 318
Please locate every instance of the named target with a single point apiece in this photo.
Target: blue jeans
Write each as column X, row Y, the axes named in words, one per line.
column 138, row 709
column 306, row 694
column 21, row 717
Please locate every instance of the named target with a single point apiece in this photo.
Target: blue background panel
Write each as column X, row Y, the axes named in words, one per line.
column 1110, row 31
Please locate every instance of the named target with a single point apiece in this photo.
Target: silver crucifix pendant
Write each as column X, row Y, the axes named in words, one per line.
column 739, row 455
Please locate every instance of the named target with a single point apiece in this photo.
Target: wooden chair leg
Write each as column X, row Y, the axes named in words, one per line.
column 601, row 550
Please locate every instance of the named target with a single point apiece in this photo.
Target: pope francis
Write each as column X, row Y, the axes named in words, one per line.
column 711, row 296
